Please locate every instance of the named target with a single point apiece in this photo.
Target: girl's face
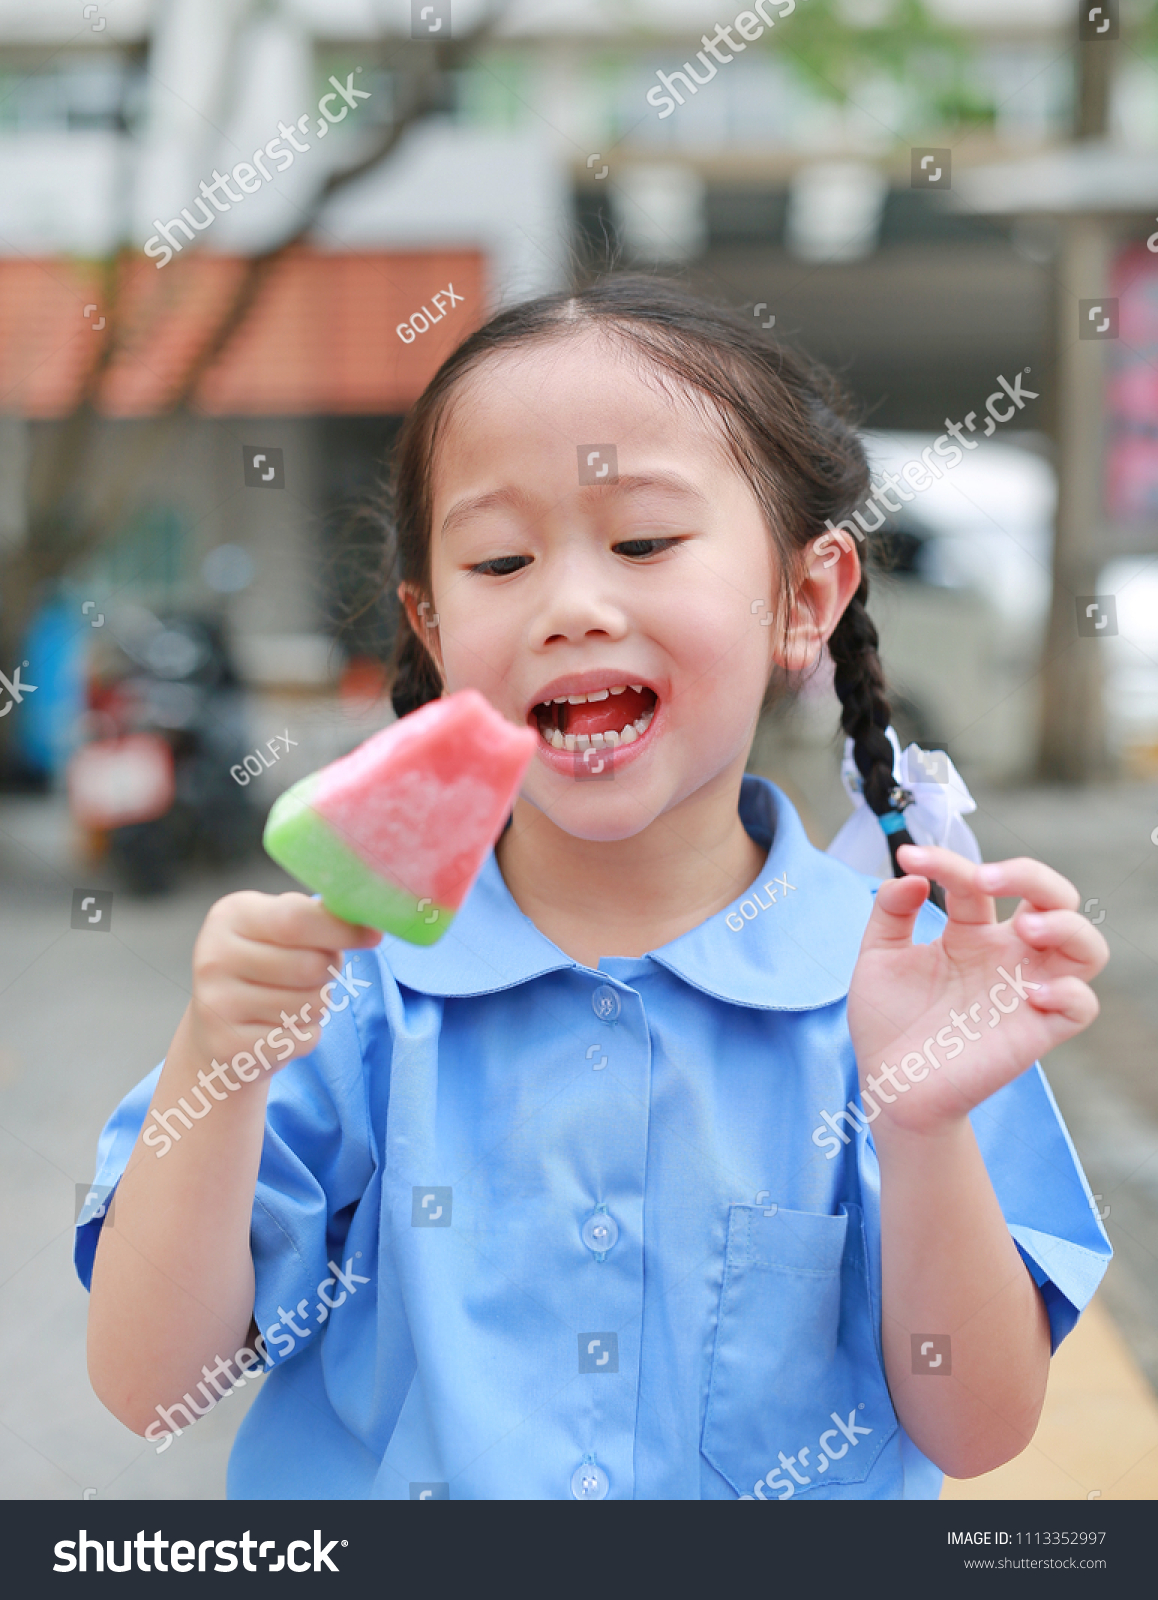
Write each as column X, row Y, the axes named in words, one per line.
column 602, row 573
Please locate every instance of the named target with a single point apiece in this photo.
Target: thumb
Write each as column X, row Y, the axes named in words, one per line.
column 895, row 908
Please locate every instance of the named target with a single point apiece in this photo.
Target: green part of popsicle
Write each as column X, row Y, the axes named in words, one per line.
column 304, row 844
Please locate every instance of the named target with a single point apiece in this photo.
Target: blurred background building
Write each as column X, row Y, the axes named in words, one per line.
column 507, row 152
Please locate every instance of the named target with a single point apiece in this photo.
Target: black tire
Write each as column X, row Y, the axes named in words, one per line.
column 149, row 855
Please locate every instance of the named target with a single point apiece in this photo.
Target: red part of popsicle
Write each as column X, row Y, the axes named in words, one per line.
column 423, row 801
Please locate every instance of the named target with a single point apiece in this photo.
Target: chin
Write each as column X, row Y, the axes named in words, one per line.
column 597, row 817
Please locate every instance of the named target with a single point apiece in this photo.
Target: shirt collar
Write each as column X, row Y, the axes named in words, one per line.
column 774, row 947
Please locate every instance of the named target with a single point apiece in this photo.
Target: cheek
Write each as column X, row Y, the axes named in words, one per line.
column 475, row 656
column 478, row 641
column 724, row 648
column 723, row 598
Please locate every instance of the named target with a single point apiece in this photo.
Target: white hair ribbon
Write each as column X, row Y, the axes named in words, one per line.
column 936, row 815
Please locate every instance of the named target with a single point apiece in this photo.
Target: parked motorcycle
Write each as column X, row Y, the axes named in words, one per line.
column 151, row 785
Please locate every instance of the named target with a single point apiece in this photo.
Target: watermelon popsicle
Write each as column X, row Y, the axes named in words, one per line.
column 394, row 834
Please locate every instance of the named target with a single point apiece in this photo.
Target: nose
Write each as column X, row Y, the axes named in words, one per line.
column 579, row 601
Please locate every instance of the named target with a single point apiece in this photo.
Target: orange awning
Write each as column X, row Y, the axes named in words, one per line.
column 320, row 337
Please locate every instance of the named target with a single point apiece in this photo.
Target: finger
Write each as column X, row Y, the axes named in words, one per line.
column 965, row 898
column 298, row 920
column 276, row 965
column 894, row 913
column 1069, row 998
column 1065, row 932
column 265, row 1007
column 1032, row 880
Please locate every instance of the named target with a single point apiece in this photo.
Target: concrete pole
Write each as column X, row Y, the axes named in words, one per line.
column 1072, row 741
column 1072, row 745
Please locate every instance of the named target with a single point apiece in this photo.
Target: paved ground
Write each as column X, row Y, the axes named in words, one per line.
column 84, row 1015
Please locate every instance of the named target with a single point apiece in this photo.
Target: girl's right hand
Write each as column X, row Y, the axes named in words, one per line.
column 260, row 959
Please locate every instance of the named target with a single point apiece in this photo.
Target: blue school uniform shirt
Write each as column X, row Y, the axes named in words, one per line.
column 526, row 1229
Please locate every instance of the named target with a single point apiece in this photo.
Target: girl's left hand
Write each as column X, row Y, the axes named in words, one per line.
column 903, row 994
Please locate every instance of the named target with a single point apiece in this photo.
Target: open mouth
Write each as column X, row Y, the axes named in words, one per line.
column 602, row 719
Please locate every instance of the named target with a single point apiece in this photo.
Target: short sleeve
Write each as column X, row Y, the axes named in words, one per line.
column 1044, row 1196
column 114, row 1147
column 1039, row 1184
column 316, row 1164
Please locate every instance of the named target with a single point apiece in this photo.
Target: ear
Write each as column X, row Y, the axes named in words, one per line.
column 830, row 576
column 423, row 619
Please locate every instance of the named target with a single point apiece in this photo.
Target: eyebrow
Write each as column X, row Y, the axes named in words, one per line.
column 514, row 499
column 517, row 499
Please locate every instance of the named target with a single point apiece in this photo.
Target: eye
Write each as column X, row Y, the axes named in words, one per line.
column 638, row 548
column 501, row 566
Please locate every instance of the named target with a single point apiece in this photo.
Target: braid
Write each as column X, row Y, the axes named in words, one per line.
column 415, row 681
column 860, row 686
column 859, row 682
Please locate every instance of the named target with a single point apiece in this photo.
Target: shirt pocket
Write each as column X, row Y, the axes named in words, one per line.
column 797, row 1399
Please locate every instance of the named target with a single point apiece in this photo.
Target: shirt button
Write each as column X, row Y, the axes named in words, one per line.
column 589, row 1481
column 600, row 1232
column 605, row 1003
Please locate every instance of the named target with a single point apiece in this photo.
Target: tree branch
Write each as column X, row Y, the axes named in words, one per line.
column 422, row 102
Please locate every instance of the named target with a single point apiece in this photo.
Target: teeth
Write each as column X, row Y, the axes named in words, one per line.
column 581, row 699
column 611, row 738
column 629, row 735
column 638, row 687
column 570, row 741
column 582, row 741
column 597, row 741
column 556, row 739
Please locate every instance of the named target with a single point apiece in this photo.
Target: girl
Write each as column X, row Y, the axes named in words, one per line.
column 618, row 1190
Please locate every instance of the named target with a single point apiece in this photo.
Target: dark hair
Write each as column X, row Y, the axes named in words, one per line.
column 786, row 420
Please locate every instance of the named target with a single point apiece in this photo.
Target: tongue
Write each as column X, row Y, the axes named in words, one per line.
column 598, row 716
